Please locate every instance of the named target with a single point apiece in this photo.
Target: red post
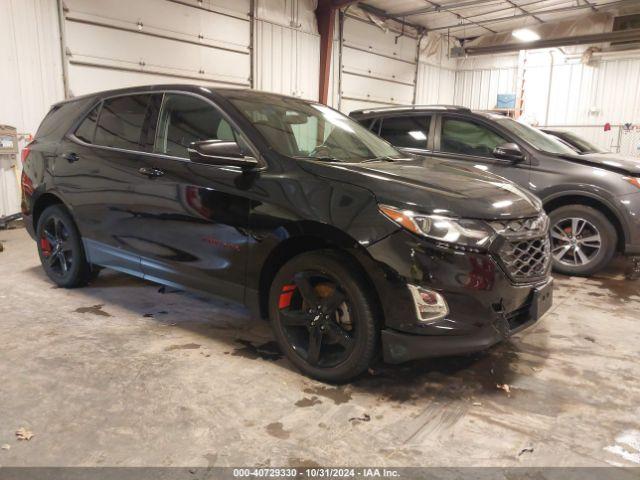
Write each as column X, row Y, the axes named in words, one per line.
column 325, row 14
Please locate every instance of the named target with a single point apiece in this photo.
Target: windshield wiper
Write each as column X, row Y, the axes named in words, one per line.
column 383, row 158
column 322, row 158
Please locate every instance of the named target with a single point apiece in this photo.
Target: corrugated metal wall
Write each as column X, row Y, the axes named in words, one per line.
column 584, row 97
column 30, row 78
column 31, row 71
column 479, row 80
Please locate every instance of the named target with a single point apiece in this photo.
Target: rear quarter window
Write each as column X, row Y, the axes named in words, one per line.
column 121, row 120
column 87, row 127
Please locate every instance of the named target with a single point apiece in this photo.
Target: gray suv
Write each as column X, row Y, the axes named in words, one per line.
column 593, row 200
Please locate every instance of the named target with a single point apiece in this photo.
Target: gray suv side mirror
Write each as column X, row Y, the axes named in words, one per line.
column 220, row 152
column 508, row 151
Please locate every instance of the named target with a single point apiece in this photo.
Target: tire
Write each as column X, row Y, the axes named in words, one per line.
column 59, row 244
column 347, row 325
column 589, row 251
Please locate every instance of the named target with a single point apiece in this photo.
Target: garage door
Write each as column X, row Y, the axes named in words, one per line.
column 124, row 43
column 378, row 67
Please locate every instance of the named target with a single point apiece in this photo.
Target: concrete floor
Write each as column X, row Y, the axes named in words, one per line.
column 121, row 374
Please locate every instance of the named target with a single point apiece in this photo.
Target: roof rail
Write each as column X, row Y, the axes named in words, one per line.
column 365, row 111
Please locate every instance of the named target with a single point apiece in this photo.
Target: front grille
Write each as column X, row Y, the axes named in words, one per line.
column 525, row 251
column 526, row 260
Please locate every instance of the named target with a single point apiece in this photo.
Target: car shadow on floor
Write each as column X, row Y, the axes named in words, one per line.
column 459, row 377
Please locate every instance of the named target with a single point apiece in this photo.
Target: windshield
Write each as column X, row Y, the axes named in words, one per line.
column 535, row 137
column 581, row 143
column 309, row 130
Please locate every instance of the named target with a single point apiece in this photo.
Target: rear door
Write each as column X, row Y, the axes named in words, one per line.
column 408, row 132
column 97, row 171
column 190, row 222
column 470, row 142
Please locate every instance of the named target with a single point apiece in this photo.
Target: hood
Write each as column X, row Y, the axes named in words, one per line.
column 609, row 161
column 430, row 185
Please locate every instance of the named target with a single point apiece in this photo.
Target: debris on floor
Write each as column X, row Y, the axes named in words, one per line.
column 364, row 418
column 24, row 434
column 526, row 450
column 5, row 446
column 505, row 387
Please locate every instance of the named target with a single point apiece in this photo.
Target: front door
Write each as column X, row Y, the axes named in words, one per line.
column 191, row 218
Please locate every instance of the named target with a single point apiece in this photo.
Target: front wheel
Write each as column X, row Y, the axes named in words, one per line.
column 323, row 316
column 583, row 241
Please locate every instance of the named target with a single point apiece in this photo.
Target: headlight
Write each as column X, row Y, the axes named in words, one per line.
column 468, row 233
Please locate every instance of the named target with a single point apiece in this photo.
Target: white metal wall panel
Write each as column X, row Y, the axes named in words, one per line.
column 378, row 66
column 479, row 89
column 31, row 72
column 606, row 92
column 152, row 41
column 435, row 85
column 287, row 60
column 30, row 78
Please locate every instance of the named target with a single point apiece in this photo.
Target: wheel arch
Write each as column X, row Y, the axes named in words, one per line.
column 596, row 203
column 308, row 237
column 44, row 201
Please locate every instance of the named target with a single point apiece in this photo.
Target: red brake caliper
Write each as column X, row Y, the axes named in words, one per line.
column 285, row 296
column 46, row 246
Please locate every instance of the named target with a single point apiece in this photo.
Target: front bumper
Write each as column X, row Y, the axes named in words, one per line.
column 630, row 207
column 398, row 347
column 485, row 306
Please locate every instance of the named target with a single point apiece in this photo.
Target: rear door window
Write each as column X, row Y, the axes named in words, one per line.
column 87, row 128
column 406, row 131
column 185, row 119
column 468, row 138
column 121, row 120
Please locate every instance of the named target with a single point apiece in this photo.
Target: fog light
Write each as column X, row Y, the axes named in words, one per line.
column 430, row 305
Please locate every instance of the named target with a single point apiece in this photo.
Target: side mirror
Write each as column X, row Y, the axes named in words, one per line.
column 508, row 151
column 220, row 152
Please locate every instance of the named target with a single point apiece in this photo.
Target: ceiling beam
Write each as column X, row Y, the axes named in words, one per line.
column 621, row 36
column 439, row 8
column 536, row 12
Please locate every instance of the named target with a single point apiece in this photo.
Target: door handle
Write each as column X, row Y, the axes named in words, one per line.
column 71, row 157
column 151, row 172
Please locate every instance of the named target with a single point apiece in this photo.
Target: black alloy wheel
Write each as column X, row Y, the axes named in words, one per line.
column 322, row 317
column 60, row 249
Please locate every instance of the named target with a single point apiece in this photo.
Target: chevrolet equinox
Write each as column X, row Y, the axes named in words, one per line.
column 350, row 248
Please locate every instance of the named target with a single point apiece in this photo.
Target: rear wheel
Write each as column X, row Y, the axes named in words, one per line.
column 322, row 316
column 60, row 249
column 583, row 241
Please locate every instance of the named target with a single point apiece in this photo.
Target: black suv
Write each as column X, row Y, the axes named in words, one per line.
column 593, row 200
column 294, row 210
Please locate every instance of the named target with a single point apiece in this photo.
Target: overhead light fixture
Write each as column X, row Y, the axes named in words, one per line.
column 525, row 35
column 418, row 135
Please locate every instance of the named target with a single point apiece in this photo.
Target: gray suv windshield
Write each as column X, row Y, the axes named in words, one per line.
column 533, row 136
